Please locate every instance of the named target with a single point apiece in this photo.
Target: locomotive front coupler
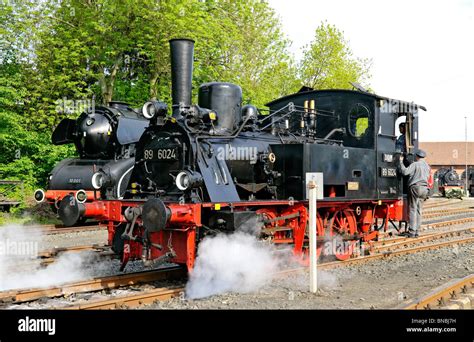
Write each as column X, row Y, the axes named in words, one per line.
column 160, row 260
column 146, row 251
column 131, row 215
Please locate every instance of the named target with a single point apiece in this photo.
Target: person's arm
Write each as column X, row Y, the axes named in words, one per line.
column 406, row 171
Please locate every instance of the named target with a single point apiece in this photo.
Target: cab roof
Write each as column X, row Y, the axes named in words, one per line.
column 309, row 91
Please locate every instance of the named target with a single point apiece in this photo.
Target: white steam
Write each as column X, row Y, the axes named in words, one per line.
column 19, row 247
column 231, row 263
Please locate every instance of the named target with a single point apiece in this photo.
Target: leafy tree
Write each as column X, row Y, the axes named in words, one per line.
column 93, row 48
column 25, row 154
column 328, row 61
column 257, row 57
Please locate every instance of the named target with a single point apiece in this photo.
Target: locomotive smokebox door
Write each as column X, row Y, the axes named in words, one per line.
column 318, row 178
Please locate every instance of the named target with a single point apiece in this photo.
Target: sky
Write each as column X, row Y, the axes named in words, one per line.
column 421, row 51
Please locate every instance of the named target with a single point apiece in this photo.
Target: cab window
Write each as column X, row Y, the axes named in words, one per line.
column 359, row 121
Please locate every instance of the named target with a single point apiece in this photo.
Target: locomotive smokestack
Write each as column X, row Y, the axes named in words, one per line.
column 182, row 55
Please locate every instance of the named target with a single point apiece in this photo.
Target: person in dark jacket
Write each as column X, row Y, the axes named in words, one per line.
column 418, row 174
column 400, row 145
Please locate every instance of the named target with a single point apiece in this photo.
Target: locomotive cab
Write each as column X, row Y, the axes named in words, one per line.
column 351, row 140
column 392, row 142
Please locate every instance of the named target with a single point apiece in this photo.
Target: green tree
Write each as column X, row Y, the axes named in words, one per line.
column 25, row 154
column 329, row 63
column 257, row 57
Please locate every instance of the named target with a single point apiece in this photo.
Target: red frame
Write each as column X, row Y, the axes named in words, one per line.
column 52, row 196
column 180, row 232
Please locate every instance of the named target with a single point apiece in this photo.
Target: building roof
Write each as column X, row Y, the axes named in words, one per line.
column 448, row 153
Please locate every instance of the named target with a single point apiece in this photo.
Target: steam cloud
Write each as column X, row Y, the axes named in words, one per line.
column 19, row 248
column 231, row 263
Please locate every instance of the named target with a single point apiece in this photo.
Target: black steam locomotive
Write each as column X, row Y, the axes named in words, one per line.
column 218, row 166
column 448, row 179
column 105, row 138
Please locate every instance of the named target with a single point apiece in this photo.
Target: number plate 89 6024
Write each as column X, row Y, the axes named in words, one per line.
column 161, row 154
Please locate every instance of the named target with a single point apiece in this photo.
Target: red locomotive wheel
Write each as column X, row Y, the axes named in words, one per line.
column 268, row 214
column 343, row 224
column 319, row 234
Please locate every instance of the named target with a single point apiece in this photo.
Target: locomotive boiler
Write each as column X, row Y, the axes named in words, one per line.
column 219, row 166
column 104, row 138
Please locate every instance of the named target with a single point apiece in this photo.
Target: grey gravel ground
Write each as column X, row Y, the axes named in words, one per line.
column 73, row 239
column 379, row 284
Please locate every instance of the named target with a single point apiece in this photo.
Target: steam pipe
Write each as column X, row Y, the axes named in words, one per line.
column 334, row 131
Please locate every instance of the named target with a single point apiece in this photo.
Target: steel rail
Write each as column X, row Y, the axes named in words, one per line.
column 441, row 295
column 92, row 285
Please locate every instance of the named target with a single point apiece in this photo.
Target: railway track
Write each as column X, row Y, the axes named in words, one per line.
column 401, row 242
column 50, row 229
column 150, row 296
column 164, row 293
column 396, row 252
column 447, row 212
column 449, row 207
column 435, row 225
column 461, row 298
column 53, row 229
column 385, row 248
column 53, row 252
column 426, row 227
column 131, row 301
column 440, row 203
column 47, row 257
column 50, row 256
column 92, row 285
column 456, row 294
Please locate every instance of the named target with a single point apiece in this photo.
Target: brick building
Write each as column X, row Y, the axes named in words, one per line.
column 446, row 154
